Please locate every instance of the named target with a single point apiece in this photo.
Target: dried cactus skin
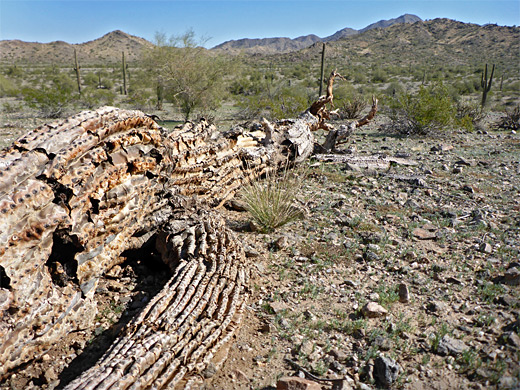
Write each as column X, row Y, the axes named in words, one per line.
column 76, row 193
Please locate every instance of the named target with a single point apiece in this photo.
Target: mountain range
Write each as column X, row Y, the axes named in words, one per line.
column 284, row 45
column 404, row 38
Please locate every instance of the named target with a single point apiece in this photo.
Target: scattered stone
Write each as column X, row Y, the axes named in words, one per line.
column 469, row 189
column 267, row 328
column 236, row 205
column 386, row 371
column 441, row 148
column 512, row 339
column 437, row 307
column 250, row 251
column 296, row 383
column 404, row 293
column 371, row 256
column 383, row 343
column 485, row 247
column 240, row 375
column 508, row 383
column 423, row 234
column 457, row 170
column 280, row 243
column 512, row 276
column 209, row 371
column 306, row 347
column 374, row 310
column 278, row 307
column 450, row 346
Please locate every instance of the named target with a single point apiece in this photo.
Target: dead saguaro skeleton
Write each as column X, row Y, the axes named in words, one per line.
column 75, row 194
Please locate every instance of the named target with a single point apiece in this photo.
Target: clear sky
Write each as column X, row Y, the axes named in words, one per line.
column 77, row 21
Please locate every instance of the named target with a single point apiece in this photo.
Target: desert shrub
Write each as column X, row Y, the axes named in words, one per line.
column 276, row 102
column 379, row 76
column 91, row 79
column 510, row 121
column 7, row 87
column 14, row 71
column 469, row 114
column 289, row 103
column 395, row 88
column 352, row 108
column 431, row 109
column 51, row 100
column 271, row 202
column 93, row 97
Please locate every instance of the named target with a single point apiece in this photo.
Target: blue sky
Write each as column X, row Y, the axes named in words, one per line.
column 77, row 21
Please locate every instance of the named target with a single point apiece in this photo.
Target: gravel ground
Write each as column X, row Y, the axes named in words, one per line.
column 404, row 278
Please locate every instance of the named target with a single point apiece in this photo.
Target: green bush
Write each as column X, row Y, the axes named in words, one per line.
column 7, row 87
column 93, row 97
column 51, row 100
column 431, row 109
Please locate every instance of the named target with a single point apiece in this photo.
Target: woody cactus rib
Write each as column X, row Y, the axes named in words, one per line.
column 180, row 330
column 75, row 194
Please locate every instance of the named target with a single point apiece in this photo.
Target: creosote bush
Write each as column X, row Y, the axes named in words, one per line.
column 271, row 201
column 431, row 110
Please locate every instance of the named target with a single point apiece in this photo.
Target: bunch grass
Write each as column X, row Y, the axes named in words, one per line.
column 272, row 201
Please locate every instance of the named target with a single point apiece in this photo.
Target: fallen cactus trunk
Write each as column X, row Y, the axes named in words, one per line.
column 76, row 194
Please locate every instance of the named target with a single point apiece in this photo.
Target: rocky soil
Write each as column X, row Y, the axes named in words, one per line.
column 407, row 278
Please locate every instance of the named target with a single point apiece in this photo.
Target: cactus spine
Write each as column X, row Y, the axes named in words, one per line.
column 486, row 84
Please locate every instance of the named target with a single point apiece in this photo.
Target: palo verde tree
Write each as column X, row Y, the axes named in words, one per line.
column 186, row 73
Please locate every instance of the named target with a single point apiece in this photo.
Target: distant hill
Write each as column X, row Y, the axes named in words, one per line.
column 284, row 45
column 106, row 49
column 433, row 43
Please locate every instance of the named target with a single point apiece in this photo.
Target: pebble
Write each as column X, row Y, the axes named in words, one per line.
column 404, row 293
column 374, row 310
column 386, row 371
column 451, row 346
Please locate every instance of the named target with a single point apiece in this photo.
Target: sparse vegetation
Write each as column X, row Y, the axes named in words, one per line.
column 271, row 202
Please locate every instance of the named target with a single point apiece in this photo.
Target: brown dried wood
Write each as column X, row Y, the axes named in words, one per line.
column 75, row 194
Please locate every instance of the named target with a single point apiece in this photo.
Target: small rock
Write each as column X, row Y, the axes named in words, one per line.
column 278, row 307
column 512, row 339
column 250, row 251
column 371, row 256
column 267, row 328
column 512, row 277
column 383, row 343
column 450, row 346
column 508, row 383
column 468, row 189
column 236, row 205
column 457, row 170
column 280, row 243
column 485, row 248
column 374, row 310
column 240, row 375
column 437, row 307
column 386, row 371
column 209, row 371
column 423, row 234
column 441, row 148
column 306, row 347
column 296, row 383
column 404, row 293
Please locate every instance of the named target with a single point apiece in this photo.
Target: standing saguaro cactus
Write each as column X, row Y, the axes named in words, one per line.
column 485, row 84
column 124, row 74
column 322, row 68
column 76, row 69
